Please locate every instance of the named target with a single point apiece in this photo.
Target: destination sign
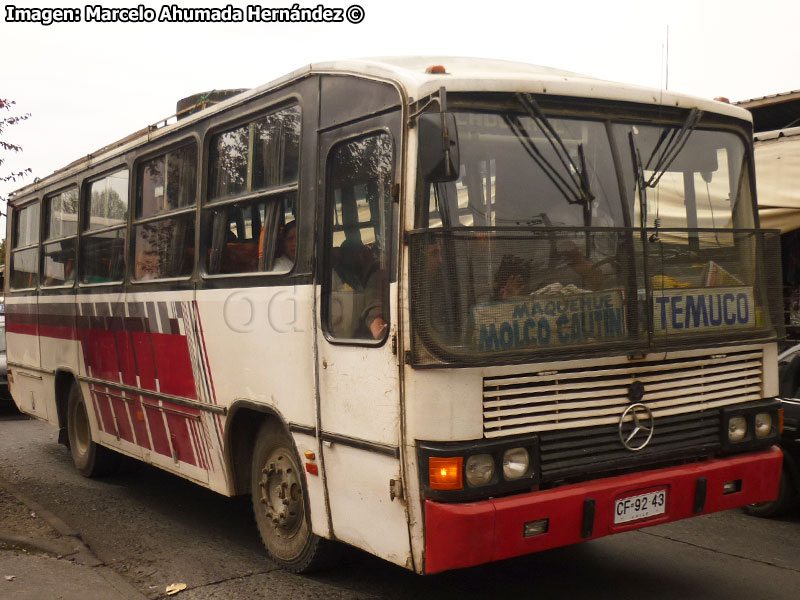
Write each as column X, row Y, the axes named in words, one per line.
column 703, row 309
column 548, row 321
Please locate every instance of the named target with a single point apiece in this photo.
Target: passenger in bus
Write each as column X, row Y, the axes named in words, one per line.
column 374, row 302
column 511, row 279
column 146, row 266
column 590, row 276
column 288, row 248
column 357, row 270
column 438, row 295
column 239, row 255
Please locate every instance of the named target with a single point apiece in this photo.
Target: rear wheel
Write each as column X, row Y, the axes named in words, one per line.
column 279, row 504
column 90, row 459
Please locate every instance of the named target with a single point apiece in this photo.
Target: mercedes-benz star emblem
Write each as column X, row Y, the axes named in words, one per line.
column 636, row 427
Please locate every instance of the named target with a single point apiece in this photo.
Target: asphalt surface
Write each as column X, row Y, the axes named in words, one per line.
column 132, row 535
column 43, row 558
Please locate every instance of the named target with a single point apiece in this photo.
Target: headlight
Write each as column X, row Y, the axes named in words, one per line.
column 763, row 425
column 737, row 429
column 516, row 462
column 480, row 469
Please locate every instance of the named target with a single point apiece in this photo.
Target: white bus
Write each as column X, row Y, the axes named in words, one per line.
column 445, row 310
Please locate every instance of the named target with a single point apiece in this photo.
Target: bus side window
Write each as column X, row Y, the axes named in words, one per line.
column 103, row 241
column 165, row 216
column 359, row 214
column 60, row 236
column 25, row 250
column 246, row 236
column 260, row 156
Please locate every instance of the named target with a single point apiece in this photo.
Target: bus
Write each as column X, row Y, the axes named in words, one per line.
column 777, row 160
column 445, row 310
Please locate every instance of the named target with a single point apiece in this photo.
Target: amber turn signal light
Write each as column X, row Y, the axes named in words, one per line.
column 446, row 473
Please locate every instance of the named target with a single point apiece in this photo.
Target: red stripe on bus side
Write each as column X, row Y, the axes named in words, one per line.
column 145, row 365
column 124, row 425
column 103, row 406
column 181, row 442
column 175, row 375
column 139, row 424
column 102, row 354
column 127, row 361
column 24, row 328
column 58, row 332
column 155, row 419
column 162, row 362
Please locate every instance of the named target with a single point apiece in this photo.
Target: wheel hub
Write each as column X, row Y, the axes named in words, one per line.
column 281, row 493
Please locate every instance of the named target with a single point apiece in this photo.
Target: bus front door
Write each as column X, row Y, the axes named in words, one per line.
column 359, row 405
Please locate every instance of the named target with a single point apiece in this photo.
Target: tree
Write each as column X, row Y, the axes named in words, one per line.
column 7, row 121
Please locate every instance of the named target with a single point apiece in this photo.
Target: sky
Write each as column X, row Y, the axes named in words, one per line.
column 88, row 84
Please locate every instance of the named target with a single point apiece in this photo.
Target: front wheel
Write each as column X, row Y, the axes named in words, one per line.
column 91, row 459
column 777, row 507
column 280, row 507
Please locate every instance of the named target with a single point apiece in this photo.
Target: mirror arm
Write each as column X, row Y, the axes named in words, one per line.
column 441, row 100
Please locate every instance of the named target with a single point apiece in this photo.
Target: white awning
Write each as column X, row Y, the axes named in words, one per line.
column 778, row 179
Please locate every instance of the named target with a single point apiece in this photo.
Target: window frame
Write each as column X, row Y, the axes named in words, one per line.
column 50, row 241
column 175, row 213
column 15, row 248
column 270, row 195
column 85, row 232
column 348, row 136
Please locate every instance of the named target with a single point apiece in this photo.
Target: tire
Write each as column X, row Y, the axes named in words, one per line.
column 91, row 459
column 280, row 505
column 782, row 504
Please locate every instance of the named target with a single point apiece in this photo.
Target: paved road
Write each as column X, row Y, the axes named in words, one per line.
column 155, row 529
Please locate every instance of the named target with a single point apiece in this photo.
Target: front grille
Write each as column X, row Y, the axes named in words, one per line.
column 566, row 454
column 581, row 397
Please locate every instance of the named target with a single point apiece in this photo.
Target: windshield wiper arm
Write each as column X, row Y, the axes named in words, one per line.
column 670, row 143
column 675, row 141
column 549, row 170
column 577, row 188
column 638, row 176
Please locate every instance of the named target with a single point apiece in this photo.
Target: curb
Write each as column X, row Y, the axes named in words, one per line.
column 59, row 548
column 69, row 546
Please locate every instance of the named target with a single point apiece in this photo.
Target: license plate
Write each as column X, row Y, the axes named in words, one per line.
column 638, row 507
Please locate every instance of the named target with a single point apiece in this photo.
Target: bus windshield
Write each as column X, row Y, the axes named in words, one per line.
column 565, row 235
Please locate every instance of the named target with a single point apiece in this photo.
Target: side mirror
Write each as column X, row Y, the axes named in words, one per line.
column 438, row 147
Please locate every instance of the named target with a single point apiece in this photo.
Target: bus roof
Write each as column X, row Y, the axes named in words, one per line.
column 482, row 74
column 461, row 74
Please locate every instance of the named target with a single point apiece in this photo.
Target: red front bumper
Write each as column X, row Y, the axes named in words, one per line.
column 464, row 535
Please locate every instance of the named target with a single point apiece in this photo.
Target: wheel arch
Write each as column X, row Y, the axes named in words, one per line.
column 790, row 460
column 63, row 381
column 244, row 420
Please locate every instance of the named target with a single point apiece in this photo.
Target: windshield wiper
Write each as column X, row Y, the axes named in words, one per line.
column 575, row 186
column 670, row 143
